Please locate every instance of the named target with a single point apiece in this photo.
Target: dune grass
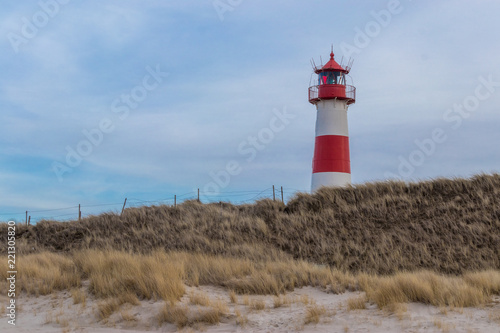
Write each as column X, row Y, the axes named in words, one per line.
column 113, row 273
column 44, row 273
column 126, row 278
column 431, row 288
column 445, row 225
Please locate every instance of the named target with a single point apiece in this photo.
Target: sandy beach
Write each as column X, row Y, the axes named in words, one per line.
column 58, row 313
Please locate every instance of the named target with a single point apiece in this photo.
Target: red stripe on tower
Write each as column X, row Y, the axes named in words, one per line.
column 331, row 154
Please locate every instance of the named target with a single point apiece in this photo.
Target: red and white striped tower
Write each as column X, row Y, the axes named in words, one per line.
column 332, row 96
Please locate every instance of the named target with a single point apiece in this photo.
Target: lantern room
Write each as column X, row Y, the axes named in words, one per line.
column 332, row 83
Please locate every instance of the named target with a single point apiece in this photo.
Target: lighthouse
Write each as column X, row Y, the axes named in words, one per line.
column 332, row 97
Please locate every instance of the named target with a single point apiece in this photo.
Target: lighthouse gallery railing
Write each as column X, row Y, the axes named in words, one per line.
column 350, row 93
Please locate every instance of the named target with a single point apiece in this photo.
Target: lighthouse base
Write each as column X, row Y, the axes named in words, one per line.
column 320, row 179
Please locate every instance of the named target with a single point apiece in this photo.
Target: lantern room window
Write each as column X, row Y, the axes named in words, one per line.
column 331, row 78
column 340, row 78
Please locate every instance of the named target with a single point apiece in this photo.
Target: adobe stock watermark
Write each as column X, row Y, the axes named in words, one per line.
column 373, row 28
column 121, row 106
column 31, row 26
column 248, row 149
column 223, row 6
column 11, row 272
column 454, row 116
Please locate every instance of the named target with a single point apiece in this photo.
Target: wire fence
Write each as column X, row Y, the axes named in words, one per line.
column 80, row 211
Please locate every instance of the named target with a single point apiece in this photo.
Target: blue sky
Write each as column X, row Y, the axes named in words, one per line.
column 208, row 76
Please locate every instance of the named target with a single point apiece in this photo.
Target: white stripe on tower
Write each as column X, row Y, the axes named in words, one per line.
column 331, row 118
column 319, row 179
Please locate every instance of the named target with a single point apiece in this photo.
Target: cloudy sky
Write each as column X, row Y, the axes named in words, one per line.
column 106, row 100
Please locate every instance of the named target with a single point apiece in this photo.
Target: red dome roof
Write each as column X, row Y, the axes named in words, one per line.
column 331, row 65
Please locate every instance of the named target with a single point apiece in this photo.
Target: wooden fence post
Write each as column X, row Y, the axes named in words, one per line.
column 79, row 212
column 123, row 208
column 175, row 201
column 198, row 195
column 29, row 220
column 274, row 196
column 26, row 217
column 282, row 200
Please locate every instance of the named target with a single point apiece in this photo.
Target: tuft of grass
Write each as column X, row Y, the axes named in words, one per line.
column 356, row 303
column 46, row 272
column 210, row 316
column 443, row 326
column 220, row 306
column 304, row 299
column 128, row 297
column 488, row 281
column 173, row 314
column 127, row 316
column 257, row 304
column 399, row 309
column 49, row 317
column 313, row 314
column 181, row 317
column 199, row 298
column 110, row 305
column 113, row 273
column 213, row 315
column 107, row 307
column 233, row 297
column 279, row 301
column 64, row 322
column 241, row 320
column 78, row 296
column 424, row 287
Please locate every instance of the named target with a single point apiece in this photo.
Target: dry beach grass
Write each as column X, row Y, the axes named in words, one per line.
column 446, row 226
column 126, row 277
